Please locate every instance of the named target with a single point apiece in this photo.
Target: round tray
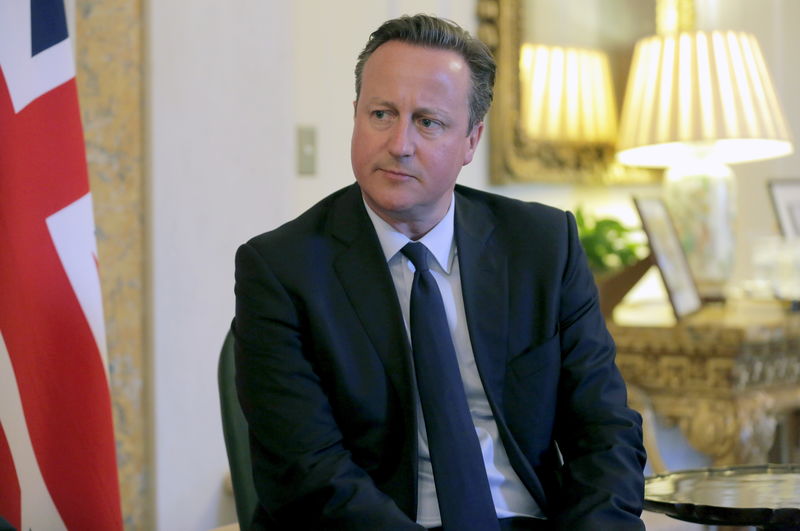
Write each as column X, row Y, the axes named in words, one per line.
column 766, row 496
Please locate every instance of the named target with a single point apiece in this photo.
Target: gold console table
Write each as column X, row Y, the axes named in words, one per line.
column 725, row 380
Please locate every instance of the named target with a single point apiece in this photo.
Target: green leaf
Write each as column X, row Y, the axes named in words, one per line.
column 606, row 241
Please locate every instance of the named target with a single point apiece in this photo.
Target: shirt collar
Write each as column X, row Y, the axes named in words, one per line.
column 439, row 240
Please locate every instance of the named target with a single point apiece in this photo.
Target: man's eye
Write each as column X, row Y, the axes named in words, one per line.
column 380, row 115
column 427, row 123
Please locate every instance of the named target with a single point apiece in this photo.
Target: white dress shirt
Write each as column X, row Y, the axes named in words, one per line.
column 509, row 494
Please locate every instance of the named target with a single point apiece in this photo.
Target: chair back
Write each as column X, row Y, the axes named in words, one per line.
column 235, row 431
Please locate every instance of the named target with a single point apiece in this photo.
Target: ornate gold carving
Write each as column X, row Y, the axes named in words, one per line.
column 488, row 12
column 723, row 385
column 728, row 430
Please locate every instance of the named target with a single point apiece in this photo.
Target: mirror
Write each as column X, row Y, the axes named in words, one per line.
column 611, row 26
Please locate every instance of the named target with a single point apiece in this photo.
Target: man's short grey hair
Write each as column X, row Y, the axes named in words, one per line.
column 433, row 32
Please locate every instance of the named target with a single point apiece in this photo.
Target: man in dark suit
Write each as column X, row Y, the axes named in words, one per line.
column 326, row 318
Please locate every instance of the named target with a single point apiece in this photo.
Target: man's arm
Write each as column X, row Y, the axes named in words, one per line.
column 304, row 475
column 599, row 436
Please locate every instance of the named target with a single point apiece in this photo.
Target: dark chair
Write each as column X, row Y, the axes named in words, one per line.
column 234, row 429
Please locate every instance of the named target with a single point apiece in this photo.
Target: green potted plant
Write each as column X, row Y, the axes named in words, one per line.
column 608, row 243
column 617, row 259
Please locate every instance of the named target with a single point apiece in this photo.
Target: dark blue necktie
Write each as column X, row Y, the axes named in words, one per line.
column 465, row 501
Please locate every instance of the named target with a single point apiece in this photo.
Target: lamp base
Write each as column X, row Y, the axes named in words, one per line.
column 701, row 197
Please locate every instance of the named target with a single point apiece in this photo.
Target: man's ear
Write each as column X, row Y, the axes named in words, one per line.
column 355, row 106
column 472, row 142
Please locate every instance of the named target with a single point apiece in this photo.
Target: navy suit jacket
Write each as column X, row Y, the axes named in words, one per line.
column 325, row 379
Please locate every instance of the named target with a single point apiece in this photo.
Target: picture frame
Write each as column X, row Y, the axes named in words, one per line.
column 785, row 195
column 665, row 246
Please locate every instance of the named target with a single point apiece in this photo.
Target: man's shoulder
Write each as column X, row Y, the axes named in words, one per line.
column 505, row 208
column 311, row 224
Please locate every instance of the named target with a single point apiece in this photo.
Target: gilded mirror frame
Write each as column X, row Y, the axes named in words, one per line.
column 514, row 161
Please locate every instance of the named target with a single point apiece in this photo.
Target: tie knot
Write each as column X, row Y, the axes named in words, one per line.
column 418, row 254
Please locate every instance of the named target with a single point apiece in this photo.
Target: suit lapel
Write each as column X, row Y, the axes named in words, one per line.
column 361, row 268
column 484, row 283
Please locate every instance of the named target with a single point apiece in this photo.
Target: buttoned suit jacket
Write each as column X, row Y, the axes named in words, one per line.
column 325, row 379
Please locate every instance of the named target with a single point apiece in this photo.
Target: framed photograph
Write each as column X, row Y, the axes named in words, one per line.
column 665, row 247
column 785, row 194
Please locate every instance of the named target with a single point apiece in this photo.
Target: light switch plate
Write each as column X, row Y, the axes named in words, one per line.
column 306, row 150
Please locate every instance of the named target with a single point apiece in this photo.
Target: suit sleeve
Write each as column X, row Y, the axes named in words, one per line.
column 599, row 437
column 304, row 475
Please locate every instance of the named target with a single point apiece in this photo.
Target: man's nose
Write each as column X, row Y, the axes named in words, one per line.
column 401, row 141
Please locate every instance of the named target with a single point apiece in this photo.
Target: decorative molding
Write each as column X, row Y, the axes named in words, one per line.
column 515, row 160
column 109, row 74
column 723, row 385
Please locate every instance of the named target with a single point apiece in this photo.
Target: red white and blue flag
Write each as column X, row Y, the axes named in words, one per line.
column 57, row 455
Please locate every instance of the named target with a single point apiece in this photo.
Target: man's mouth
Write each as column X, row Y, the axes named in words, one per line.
column 396, row 173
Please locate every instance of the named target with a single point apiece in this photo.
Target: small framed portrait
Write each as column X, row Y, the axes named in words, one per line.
column 785, row 194
column 665, row 247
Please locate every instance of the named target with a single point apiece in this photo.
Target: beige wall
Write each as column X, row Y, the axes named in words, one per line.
column 219, row 117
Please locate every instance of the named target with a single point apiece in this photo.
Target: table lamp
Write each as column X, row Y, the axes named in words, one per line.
column 695, row 102
column 566, row 95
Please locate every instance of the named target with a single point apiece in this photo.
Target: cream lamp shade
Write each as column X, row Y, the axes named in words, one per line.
column 566, row 95
column 696, row 94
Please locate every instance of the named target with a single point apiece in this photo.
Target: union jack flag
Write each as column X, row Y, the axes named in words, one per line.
column 57, row 456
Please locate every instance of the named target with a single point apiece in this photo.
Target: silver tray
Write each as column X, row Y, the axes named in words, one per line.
column 766, row 496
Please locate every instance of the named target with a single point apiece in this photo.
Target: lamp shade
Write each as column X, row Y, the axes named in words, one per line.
column 700, row 94
column 566, row 95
